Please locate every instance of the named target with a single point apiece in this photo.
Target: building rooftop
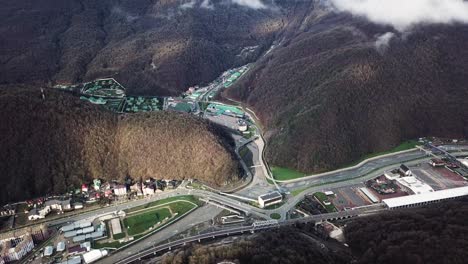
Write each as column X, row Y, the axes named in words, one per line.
column 426, row 197
column 415, row 185
column 48, row 250
column 270, row 196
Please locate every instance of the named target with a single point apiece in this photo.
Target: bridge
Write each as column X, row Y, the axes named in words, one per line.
column 256, row 226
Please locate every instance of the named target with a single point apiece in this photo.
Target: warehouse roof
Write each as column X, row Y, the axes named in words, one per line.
column 426, row 197
column 270, row 196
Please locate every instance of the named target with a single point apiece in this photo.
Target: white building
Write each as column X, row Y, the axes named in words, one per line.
column 464, row 161
column 115, row 226
column 60, row 246
column 13, row 249
column 270, row 199
column 35, row 213
column 414, row 185
column 425, row 198
column 59, row 205
column 48, row 251
column 77, row 206
column 148, row 191
column 391, row 175
column 94, row 255
column 120, row 190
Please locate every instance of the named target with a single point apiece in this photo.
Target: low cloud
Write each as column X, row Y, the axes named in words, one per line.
column 403, row 14
column 383, row 42
column 255, row 4
column 207, row 4
column 190, row 4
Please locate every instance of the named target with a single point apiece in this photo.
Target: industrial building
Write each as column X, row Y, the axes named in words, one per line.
column 270, row 199
column 76, row 225
column 369, row 195
column 82, row 231
column 425, row 198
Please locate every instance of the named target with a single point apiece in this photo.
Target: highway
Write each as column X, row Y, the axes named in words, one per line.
column 248, row 229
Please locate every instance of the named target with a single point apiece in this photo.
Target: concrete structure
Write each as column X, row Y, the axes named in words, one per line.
column 94, row 255
column 392, row 175
column 425, row 198
column 270, row 199
column 369, row 195
column 15, row 248
column 329, row 193
column 116, row 227
column 414, row 185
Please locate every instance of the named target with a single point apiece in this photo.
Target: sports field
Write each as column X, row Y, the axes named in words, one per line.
column 143, row 219
column 225, row 109
column 104, row 88
column 140, row 223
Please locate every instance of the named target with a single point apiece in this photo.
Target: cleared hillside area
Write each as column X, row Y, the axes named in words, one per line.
column 52, row 145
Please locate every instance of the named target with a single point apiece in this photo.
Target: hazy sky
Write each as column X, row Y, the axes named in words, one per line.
column 403, row 14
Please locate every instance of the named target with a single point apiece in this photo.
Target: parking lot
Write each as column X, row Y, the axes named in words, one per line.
column 349, row 197
column 438, row 178
column 224, row 120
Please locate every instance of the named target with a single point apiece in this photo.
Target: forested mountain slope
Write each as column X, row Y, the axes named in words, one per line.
column 332, row 91
column 151, row 46
column 333, row 88
column 51, row 145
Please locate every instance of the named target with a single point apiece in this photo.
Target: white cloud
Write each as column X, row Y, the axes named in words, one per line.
column 206, row 4
column 383, row 41
column 190, row 4
column 255, row 4
column 403, row 14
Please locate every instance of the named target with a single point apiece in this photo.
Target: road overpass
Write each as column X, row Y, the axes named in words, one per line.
column 248, row 229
